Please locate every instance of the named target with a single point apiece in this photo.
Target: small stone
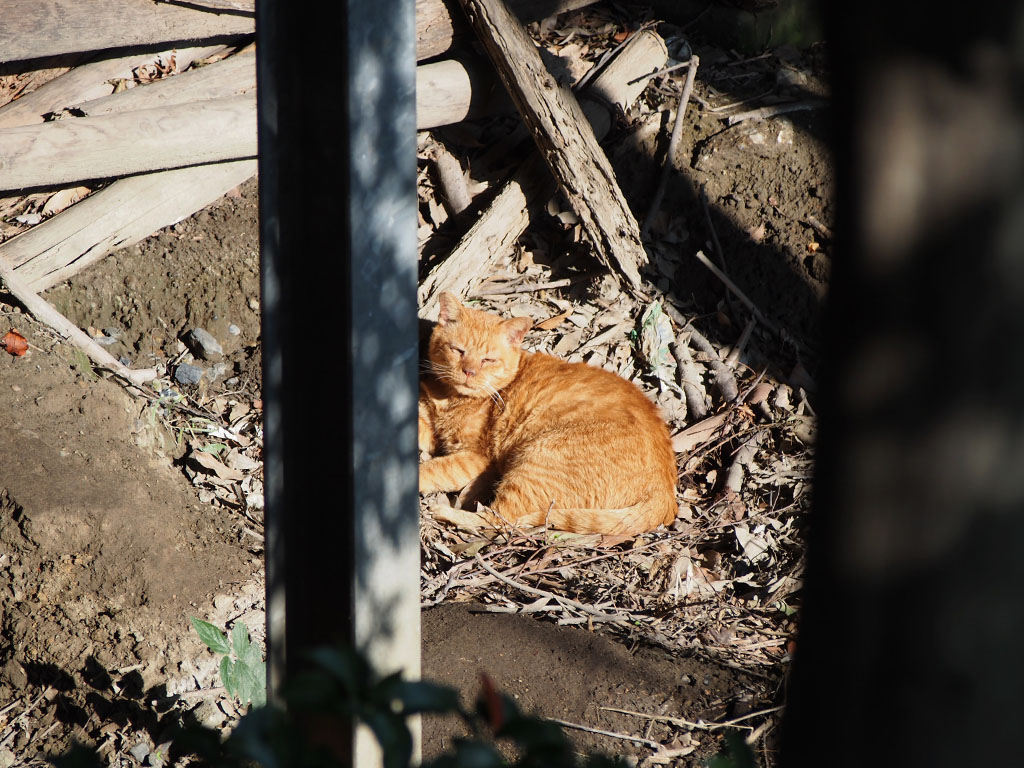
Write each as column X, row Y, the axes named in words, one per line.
column 187, row 374
column 203, row 345
column 140, row 751
column 14, row 674
column 7, row 758
column 234, row 330
column 254, row 303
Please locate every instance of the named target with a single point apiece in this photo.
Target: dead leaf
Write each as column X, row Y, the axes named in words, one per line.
column 14, row 343
column 60, row 200
column 760, row 393
column 552, row 322
column 211, row 465
column 701, row 432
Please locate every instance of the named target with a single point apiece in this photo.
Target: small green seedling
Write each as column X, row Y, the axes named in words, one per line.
column 242, row 669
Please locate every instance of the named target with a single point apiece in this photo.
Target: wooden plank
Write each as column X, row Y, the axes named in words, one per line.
column 42, row 28
column 565, row 139
column 440, row 23
column 500, row 225
column 83, row 83
column 79, row 149
column 232, row 76
column 115, row 217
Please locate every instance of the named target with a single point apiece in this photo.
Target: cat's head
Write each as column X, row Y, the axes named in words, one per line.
column 475, row 352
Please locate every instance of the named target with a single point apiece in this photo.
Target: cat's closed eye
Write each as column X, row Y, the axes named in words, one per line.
column 456, row 350
column 487, row 360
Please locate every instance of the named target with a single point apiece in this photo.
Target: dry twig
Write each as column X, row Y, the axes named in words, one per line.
column 611, row 734
column 738, row 293
column 699, row 726
column 46, row 314
column 544, row 593
column 772, row 110
column 673, row 144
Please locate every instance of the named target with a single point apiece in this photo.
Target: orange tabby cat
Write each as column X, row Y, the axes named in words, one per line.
column 566, row 445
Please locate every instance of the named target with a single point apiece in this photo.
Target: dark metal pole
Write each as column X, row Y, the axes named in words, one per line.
column 337, row 224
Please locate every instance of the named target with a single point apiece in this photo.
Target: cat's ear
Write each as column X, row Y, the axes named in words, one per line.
column 516, row 329
column 450, row 308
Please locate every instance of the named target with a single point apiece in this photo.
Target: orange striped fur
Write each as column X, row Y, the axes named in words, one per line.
column 566, row 445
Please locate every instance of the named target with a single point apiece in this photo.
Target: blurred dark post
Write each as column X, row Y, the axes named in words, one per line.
column 909, row 650
column 337, row 221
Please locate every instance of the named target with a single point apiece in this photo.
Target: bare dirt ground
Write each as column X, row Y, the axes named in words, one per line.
column 115, row 525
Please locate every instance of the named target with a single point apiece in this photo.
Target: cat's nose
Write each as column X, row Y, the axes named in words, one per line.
column 470, row 372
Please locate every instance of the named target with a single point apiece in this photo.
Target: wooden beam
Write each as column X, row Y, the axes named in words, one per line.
column 69, row 151
column 115, row 217
column 34, row 29
column 565, row 139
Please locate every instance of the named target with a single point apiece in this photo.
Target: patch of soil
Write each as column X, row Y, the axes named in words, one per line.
column 572, row 674
column 202, row 272
column 104, row 552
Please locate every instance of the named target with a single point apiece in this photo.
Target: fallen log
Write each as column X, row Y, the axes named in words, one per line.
column 614, row 89
column 83, row 83
column 565, row 139
column 69, row 151
column 232, row 76
column 453, row 90
column 439, row 23
column 29, row 30
column 115, row 217
column 34, row 29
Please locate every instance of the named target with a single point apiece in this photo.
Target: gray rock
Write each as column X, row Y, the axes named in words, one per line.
column 140, row 751
column 188, row 374
column 203, row 345
column 7, row 758
column 234, row 330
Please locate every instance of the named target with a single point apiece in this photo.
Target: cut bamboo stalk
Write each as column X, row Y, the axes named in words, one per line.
column 85, row 82
column 493, row 234
column 41, row 28
column 232, row 76
column 80, row 149
column 115, row 217
column 565, row 139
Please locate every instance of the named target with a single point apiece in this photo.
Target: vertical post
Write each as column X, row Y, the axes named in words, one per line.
column 337, row 225
column 909, row 646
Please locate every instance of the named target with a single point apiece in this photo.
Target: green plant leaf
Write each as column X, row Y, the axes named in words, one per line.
column 245, row 650
column 215, row 640
column 424, row 696
column 252, row 683
column 259, row 698
column 240, row 640
column 229, row 675
column 393, row 735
